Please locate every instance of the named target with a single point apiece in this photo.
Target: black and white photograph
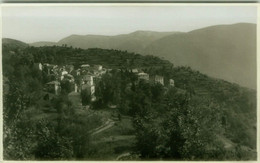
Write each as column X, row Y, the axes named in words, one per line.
column 129, row 82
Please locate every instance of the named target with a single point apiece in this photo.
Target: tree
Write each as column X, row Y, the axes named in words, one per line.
column 66, row 86
column 51, row 145
column 194, row 126
column 157, row 92
column 105, row 90
column 85, row 97
column 146, row 139
column 19, row 138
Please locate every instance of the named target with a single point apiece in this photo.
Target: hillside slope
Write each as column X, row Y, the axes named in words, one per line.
column 13, row 43
column 234, row 106
column 224, row 51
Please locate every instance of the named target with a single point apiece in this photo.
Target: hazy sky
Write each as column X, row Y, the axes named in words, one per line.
column 31, row 24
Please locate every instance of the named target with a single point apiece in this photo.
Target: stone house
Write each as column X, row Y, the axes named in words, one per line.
column 171, row 82
column 53, row 87
column 158, row 79
column 143, row 76
column 69, row 68
column 98, row 67
column 38, row 66
column 88, row 79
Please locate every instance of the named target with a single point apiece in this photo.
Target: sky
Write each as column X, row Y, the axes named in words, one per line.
column 52, row 23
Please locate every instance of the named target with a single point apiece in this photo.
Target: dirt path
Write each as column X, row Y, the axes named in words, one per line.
column 227, row 143
column 115, row 138
column 123, row 155
column 108, row 124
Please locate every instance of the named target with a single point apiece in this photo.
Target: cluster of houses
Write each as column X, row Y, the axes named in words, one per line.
column 85, row 77
column 155, row 78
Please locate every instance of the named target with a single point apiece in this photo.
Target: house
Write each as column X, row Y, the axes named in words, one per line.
column 88, row 84
column 53, row 87
column 90, row 90
column 85, row 66
column 64, row 72
column 158, row 79
column 48, row 68
column 38, row 66
column 78, row 72
column 135, row 71
column 96, row 72
column 55, row 70
column 103, row 71
column 171, row 82
column 76, row 88
column 88, row 79
column 98, row 67
column 69, row 68
column 68, row 77
column 143, row 76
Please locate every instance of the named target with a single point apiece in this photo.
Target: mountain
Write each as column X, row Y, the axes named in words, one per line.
column 223, row 51
column 133, row 42
column 13, row 43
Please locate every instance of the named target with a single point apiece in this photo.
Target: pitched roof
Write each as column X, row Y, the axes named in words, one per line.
column 134, row 70
column 54, row 82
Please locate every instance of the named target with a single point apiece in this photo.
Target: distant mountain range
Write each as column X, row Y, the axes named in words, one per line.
column 133, row 42
column 223, row 51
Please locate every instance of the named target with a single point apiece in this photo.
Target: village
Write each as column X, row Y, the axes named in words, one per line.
column 85, row 77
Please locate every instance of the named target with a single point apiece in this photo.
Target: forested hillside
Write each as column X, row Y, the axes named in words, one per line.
column 223, row 51
column 215, row 117
column 13, row 44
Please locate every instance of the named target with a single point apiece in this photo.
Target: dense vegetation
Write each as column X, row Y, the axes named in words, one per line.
column 215, row 117
column 170, row 123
